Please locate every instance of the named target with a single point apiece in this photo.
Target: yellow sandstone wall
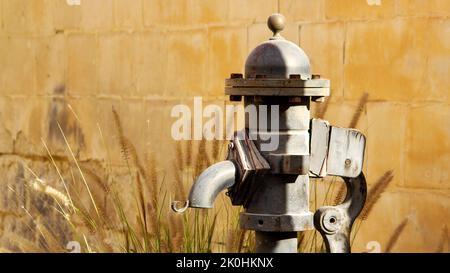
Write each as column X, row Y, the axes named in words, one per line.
column 70, row 64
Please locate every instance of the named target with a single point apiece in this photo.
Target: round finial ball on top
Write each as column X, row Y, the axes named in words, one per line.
column 276, row 23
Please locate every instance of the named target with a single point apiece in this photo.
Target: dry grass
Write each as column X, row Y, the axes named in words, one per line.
column 340, row 195
column 375, row 193
column 142, row 223
column 359, row 110
column 396, row 235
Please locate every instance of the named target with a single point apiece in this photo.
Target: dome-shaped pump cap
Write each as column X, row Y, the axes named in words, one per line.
column 277, row 58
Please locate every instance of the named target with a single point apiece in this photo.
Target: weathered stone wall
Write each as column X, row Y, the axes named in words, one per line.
column 70, row 64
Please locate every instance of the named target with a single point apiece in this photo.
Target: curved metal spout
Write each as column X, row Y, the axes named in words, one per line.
column 210, row 183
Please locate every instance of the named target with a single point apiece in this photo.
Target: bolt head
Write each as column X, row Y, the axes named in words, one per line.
column 331, row 221
column 348, row 162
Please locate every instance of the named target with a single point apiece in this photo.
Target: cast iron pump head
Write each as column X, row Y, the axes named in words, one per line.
column 272, row 182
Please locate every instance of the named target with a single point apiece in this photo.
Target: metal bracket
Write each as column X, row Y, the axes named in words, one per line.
column 339, row 152
column 335, row 223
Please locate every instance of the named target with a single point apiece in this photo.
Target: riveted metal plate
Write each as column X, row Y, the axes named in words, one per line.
column 345, row 152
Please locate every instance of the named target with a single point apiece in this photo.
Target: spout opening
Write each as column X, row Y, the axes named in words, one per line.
column 176, row 206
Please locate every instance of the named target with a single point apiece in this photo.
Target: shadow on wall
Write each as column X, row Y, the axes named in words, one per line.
column 61, row 119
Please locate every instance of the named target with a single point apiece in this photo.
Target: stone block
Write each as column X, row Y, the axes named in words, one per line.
column 359, row 9
column 66, row 16
column 186, row 64
column 226, row 55
column 422, row 215
column 423, row 8
column 32, row 17
column 427, row 140
column 116, row 64
column 151, row 63
column 97, row 14
column 128, row 14
column 17, row 69
column 385, row 147
column 209, row 12
column 302, row 10
column 397, row 60
column 252, row 10
column 51, row 66
column 184, row 12
column 324, row 44
column 82, row 64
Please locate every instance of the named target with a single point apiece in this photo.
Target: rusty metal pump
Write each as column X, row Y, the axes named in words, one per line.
column 273, row 184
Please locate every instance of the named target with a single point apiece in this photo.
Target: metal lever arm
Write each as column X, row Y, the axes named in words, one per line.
column 335, row 222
